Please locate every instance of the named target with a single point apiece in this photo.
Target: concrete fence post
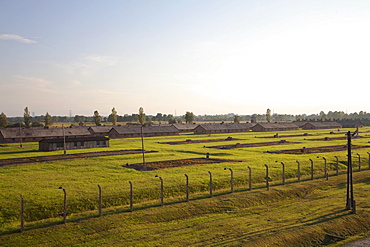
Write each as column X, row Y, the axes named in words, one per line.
column 354, row 207
column 210, row 184
column 100, row 208
column 326, row 169
column 282, row 173
column 359, row 162
column 336, row 165
column 187, row 187
column 250, row 178
column 131, row 197
column 326, row 175
column 162, row 191
column 298, row 171
column 312, row 170
column 64, row 205
column 22, row 214
column 231, row 179
column 267, row 177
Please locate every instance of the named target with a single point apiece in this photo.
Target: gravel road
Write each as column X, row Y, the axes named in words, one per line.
column 360, row 243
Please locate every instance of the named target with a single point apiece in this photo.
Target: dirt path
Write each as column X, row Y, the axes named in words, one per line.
column 359, row 243
column 27, row 160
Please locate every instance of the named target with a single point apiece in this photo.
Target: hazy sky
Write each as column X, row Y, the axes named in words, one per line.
column 203, row 56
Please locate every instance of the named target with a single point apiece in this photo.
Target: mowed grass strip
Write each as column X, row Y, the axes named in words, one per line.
column 299, row 214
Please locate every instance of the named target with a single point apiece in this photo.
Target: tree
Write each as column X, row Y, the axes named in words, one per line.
column 78, row 118
column 48, row 121
column 323, row 116
column 141, row 117
column 27, row 117
column 189, row 117
column 63, row 119
column 254, row 118
column 159, row 117
column 236, row 119
column 3, row 120
column 97, row 118
column 268, row 115
column 37, row 124
column 171, row 120
column 55, row 119
column 340, row 115
column 114, row 116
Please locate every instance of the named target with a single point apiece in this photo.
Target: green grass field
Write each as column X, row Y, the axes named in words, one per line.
column 39, row 183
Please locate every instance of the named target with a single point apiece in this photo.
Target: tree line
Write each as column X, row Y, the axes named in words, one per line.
column 189, row 117
column 47, row 120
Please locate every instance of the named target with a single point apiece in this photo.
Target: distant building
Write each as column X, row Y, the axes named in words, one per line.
column 183, row 128
column 217, row 128
column 73, row 143
column 35, row 134
column 300, row 123
column 350, row 123
column 130, row 131
column 321, row 125
column 365, row 122
column 100, row 130
column 264, row 127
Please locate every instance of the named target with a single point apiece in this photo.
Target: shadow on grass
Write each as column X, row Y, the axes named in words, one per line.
column 20, row 152
column 335, row 215
column 327, row 217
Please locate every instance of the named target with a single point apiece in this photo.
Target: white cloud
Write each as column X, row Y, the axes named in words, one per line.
column 87, row 65
column 102, row 92
column 102, row 61
column 32, row 84
column 73, row 84
column 17, row 37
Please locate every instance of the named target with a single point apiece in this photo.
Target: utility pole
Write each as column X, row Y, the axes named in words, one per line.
column 142, row 148
column 350, row 203
column 64, row 141
column 20, row 135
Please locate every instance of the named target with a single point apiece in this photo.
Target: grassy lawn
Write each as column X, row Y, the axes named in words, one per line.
column 297, row 214
column 241, row 218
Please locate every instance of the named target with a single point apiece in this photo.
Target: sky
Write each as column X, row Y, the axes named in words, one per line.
column 208, row 57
